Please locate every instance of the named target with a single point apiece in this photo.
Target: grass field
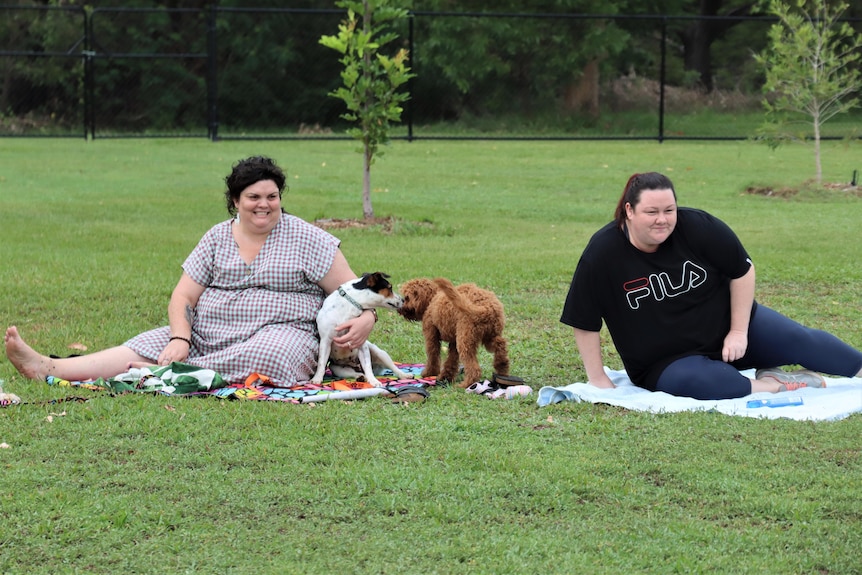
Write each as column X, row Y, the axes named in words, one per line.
column 92, row 238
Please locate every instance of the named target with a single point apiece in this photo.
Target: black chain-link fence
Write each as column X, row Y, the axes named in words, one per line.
column 233, row 73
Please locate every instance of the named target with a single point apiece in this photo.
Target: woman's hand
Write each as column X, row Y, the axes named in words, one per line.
column 356, row 331
column 590, row 346
column 602, row 382
column 735, row 346
column 176, row 350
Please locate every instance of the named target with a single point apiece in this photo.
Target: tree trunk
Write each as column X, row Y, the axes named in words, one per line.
column 698, row 38
column 697, row 43
column 7, row 85
column 367, row 209
column 583, row 95
column 818, row 168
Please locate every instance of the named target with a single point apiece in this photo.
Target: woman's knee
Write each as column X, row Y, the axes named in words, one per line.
column 699, row 377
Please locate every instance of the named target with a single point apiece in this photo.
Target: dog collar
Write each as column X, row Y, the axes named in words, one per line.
column 346, row 296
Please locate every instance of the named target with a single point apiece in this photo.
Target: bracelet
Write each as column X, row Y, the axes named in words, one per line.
column 185, row 339
column 373, row 312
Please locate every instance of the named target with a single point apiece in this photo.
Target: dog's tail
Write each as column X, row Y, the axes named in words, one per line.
column 460, row 302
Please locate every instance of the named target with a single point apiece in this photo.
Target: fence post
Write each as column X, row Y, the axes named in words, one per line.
column 410, row 47
column 662, row 79
column 89, row 78
column 212, row 75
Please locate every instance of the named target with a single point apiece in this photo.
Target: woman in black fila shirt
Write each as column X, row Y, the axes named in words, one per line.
column 676, row 289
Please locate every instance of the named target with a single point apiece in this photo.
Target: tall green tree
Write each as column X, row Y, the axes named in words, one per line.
column 371, row 78
column 811, row 65
column 513, row 61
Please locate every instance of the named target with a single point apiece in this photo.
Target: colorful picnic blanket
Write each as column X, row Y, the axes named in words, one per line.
column 188, row 380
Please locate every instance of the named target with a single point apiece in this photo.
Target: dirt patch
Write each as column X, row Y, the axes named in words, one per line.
column 846, row 188
column 771, row 191
column 632, row 92
column 789, row 192
column 385, row 224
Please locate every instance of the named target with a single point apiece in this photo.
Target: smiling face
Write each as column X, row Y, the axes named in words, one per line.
column 259, row 206
column 651, row 221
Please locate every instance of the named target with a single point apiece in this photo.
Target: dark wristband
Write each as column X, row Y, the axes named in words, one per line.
column 185, row 339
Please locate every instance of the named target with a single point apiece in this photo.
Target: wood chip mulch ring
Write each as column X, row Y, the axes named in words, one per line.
column 341, row 224
column 788, row 192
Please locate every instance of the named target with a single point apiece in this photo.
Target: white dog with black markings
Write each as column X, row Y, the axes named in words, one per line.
column 371, row 291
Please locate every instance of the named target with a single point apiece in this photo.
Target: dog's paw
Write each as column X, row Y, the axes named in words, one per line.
column 450, row 377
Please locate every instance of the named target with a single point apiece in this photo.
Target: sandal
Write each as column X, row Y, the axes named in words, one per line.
column 507, row 380
column 410, row 394
column 481, row 387
column 511, row 392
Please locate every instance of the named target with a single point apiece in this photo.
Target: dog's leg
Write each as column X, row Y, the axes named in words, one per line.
column 322, row 360
column 380, row 357
column 432, row 351
column 452, row 363
column 499, row 348
column 365, row 362
column 343, row 372
column 468, row 348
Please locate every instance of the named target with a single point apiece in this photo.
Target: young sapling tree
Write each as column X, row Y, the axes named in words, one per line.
column 371, row 78
column 812, row 69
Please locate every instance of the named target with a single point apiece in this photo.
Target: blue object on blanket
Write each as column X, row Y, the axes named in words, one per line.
column 774, row 402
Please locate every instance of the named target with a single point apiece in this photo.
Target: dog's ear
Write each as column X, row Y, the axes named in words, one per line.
column 375, row 282
column 378, row 281
column 362, row 283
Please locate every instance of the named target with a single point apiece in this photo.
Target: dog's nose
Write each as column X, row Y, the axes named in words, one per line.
column 399, row 301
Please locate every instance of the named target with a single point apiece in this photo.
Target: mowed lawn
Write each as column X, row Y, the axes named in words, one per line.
column 92, row 235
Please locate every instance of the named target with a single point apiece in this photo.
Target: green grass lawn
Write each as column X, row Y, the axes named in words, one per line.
column 93, row 235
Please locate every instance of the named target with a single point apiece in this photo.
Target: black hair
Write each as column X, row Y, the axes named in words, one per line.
column 250, row 171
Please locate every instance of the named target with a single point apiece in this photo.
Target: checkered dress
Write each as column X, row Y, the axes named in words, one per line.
column 259, row 318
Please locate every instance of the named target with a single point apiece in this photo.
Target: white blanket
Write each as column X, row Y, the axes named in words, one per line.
column 841, row 397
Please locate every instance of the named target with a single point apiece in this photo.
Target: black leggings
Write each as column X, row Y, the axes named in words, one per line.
column 773, row 340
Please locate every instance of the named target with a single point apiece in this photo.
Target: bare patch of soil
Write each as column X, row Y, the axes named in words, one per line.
column 384, row 224
column 788, row 191
column 846, row 188
column 632, row 92
column 387, row 225
column 784, row 192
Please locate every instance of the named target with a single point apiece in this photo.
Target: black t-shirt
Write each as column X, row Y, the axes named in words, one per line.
column 659, row 306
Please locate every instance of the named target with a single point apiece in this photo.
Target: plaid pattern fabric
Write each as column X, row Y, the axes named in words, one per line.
column 258, row 318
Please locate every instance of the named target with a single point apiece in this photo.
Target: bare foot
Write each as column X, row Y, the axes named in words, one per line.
column 26, row 360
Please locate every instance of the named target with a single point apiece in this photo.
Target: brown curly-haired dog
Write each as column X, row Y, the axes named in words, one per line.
column 466, row 317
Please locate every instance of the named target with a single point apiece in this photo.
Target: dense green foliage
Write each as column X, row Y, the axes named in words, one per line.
column 252, row 69
column 93, row 236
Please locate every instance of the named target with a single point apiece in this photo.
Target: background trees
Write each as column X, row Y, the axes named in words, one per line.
column 30, row 86
column 492, row 63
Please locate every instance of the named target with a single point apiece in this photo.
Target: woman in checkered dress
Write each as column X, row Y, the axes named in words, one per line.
column 247, row 300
